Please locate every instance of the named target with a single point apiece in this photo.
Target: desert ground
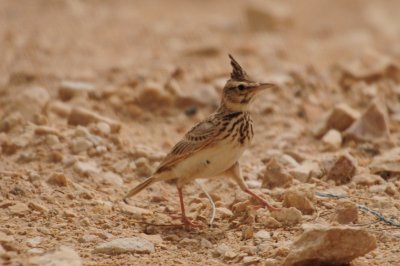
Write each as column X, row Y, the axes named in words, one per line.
column 93, row 95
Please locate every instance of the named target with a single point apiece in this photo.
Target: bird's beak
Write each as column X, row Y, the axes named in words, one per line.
column 263, row 86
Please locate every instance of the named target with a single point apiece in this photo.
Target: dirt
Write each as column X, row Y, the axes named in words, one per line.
column 93, row 94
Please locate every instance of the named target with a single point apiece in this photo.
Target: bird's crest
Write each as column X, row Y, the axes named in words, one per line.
column 237, row 71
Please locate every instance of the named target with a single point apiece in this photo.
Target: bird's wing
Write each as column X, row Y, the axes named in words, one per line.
column 201, row 135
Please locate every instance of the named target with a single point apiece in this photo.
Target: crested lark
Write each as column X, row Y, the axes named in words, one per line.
column 214, row 146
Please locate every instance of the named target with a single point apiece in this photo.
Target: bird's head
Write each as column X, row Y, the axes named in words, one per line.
column 239, row 90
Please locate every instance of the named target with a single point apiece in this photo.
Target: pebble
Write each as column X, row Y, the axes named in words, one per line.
column 103, row 128
column 333, row 139
column 143, row 168
column 125, row 245
column 19, row 209
column 37, row 207
column 275, row 175
column 58, row 179
column 247, row 232
column 80, row 145
column 327, row 245
column 287, row 216
column 343, row 170
column 63, row 256
column 266, row 16
column 88, row 238
column 135, row 212
column 112, row 178
column 204, row 243
column 248, row 260
column 340, row 118
column 346, row 212
column 83, row 117
column 188, row 242
column 269, row 222
column 365, row 179
column 299, row 200
column 4, row 238
column 52, row 140
column 70, row 89
column 86, row 168
column 372, row 125
column 305, row 171
column 33, row 242
column 263, row 235
column 270, row 262
column 223, row 212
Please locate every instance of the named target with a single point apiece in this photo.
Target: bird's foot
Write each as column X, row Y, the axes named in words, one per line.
column 188, row 224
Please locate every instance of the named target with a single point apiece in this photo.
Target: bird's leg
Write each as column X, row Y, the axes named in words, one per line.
column 185, row 220
column 237, row 176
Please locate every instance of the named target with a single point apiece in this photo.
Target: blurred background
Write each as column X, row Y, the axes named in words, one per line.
column 93, row 93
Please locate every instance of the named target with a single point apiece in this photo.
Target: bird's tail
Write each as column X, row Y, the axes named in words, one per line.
column 140, row 187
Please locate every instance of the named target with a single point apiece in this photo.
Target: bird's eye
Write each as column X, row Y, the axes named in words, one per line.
column 241, row 87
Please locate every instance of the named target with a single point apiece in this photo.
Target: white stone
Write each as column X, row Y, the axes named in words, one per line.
column 125, row 245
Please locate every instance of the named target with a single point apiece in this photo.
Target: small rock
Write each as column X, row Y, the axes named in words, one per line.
column 136, row 212
column 377, row 188
column 37, row 207
column 224, row 212
column 372, row 125
column 33, row 242
column 222, row 249
column 81, row 116
column 299, row 200
column 320, row 245
column 69, row 213
column 86, row 168
column 70, row 89
column 204, row 243
column 346, row 212
column 275, row 175
column 143, row 168
column 365, row 179
column 30, row 102
column 188, row 242
column 340, row 118
column 4, row 238
column 333, row 139
column 87, row 238
column 19, row 209
column 287, row 216
column 343, row 170
column 58, row 179
column 52, row 140
column 263, row 235
column 64, row 256
column 103, row 128
column 125, row 245
column 35, row 251
column 120, row 166
column 247, row 232
column 248, row 260
column 386, row 164
column 155, row 239
column 112, row 179
column 152, row 96
column 80, row 145
column 270, row 222
column 305, row 171
column 270, row 262
column 266, row 16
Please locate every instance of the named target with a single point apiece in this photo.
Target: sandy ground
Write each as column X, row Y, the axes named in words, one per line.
column 93, row 94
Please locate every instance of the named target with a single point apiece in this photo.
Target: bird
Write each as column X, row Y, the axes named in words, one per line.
column 214, row 146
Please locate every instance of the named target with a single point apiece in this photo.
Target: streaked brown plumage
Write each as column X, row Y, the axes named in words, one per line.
column 214, row 146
